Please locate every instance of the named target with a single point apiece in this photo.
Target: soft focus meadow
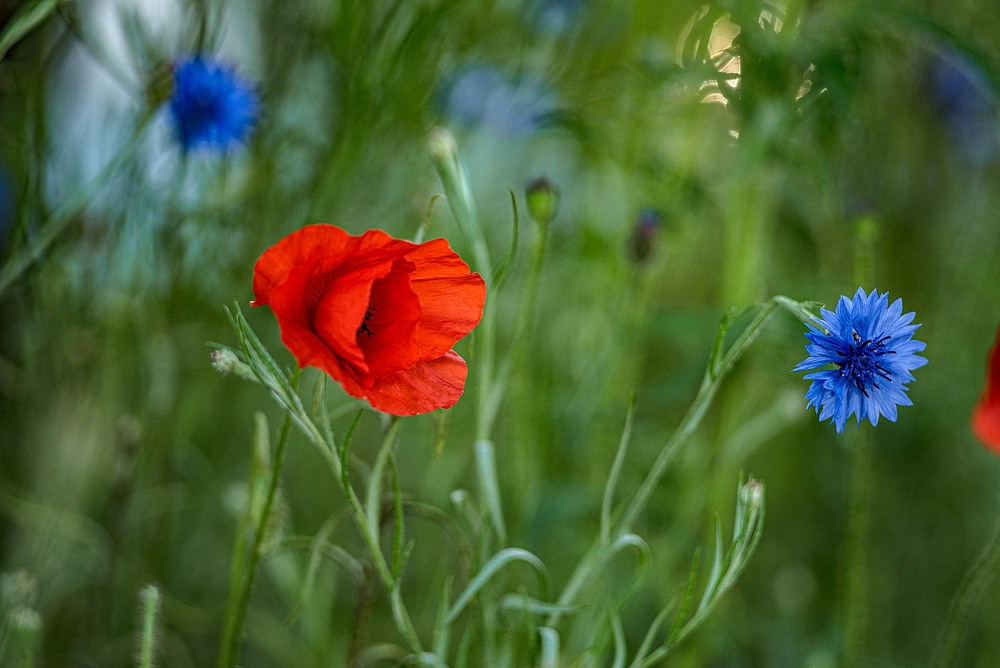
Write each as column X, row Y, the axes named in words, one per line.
column 659, row 197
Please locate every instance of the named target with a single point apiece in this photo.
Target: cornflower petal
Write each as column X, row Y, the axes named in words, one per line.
column 860, row 356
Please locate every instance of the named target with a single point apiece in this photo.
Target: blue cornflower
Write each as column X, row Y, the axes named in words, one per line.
column 967, row 104
column 482, row 95
column 865, row 350
column 212, row 106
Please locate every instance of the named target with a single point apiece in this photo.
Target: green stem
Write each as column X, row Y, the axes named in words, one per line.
column 368, row 525
column 243, row 579
column 150, row 597
column 719, row 366
column 858, row 529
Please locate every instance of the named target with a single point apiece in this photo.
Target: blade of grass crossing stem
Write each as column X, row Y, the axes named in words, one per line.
column 489, row 571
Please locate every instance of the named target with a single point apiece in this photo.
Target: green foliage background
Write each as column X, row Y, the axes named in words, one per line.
column 123, row 455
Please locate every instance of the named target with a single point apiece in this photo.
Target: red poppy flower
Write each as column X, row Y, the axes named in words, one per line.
column 380, row 315
column 986, row 416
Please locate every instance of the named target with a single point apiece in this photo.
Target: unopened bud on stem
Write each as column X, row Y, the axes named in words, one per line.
column 542, row 198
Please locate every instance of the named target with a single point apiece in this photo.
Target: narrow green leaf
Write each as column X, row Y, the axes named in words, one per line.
column 487, row 470
column 491, row 569
column 719, row 345
column 522, row 603
column 442, row 631
column 685, row 607
column 618, row 636
column 715, row 575
column 500, row 271
column 616, row 467
column 373, row 503
column 28, row 16
column 549, row 638
column 651, row 633
column 804, row 311
column 345, row 448
column 397, row 525
column 425, row 223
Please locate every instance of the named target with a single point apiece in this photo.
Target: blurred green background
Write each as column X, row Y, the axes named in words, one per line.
column 744, row 144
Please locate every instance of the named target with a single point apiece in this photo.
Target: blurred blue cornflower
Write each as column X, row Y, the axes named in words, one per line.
column 212, row 106
column 964, row 99
column 8, row 210
column 869, row 342
column 481, row 95
column 555, row 15
column 644, row 233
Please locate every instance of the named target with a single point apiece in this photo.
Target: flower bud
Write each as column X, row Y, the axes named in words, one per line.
column 441, row 144
column 752, row 494
column 543, row 200
column 644, row 233
column 226, row 362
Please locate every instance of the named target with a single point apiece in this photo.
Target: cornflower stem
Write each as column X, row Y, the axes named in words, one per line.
column 967, row 598
column 856, row 567
column 242, row 579
column 855, row 608
column 17, row 264
column 719, row 366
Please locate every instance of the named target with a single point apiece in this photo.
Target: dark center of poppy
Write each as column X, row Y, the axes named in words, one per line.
column 364, row 329
column 861, row 362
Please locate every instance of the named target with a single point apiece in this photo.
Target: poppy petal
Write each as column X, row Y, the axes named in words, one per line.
column 394, row 311
column 328, row 249
column 423, row 387
column 451, row 298
column 986, row 416
column 378, row 314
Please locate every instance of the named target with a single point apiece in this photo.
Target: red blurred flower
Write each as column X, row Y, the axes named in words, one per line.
column 378, row 314
column 986, row 416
